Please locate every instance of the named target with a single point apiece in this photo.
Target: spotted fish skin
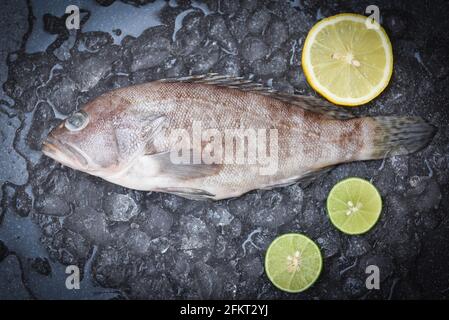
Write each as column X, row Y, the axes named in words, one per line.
column 127, row 138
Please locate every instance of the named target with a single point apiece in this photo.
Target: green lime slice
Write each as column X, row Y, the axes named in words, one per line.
column 293, row 262
column 354, row 205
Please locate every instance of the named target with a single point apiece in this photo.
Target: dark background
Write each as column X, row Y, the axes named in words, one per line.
column 132, row 244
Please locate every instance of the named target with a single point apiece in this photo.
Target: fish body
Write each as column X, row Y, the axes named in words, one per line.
column 217, row 137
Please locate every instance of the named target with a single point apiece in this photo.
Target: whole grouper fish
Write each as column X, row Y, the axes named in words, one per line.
column 216, row 137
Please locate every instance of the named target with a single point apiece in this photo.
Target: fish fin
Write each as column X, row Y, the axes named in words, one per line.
column 304, row 180
column 184, row 171
column 188, row 193
column 400, row 135
column 309, row 103
column 282, row 184
column 317, row 105
column 151, row 127
column 310, row 177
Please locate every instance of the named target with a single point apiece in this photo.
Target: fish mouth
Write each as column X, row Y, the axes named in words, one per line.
column 64, row 153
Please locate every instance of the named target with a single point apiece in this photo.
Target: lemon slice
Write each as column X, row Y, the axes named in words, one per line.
column 293, row 262
column 354, row 205
column 348, row 59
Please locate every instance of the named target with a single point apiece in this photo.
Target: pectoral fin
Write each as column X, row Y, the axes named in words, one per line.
column 149, row 127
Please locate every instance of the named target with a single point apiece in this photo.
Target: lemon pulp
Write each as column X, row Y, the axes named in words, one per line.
column 347, row 59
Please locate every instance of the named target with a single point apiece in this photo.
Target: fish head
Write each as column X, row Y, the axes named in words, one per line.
column 86, row 140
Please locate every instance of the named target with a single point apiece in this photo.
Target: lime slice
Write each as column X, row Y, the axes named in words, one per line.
column 348, row 59
column 293, row 262
column 354, row 205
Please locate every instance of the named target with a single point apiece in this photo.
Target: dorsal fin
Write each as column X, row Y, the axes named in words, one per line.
column 309, row 103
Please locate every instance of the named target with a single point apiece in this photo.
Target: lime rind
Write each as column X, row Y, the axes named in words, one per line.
column 337, row 208
column 276, row 268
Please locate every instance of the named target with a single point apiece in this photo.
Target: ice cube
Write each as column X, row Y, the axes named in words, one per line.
column 120, row 207
column 208, row 283
column 253, row 49
column 156, row 222
column 90, row 223
column 258, row 21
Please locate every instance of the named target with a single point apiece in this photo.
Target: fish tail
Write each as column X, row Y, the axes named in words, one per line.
column 400, row 135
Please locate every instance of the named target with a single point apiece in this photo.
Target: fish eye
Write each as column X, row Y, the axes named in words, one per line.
column 77, row 121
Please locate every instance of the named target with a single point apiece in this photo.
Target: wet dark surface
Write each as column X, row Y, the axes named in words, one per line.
column 132, row 244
